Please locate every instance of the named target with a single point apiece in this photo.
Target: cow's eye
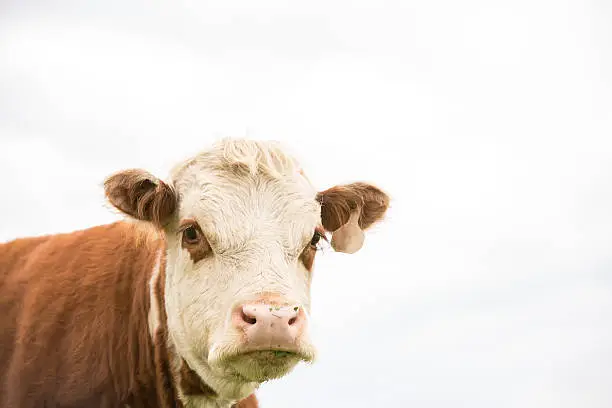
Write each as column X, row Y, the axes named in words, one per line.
column 191, row 235
column 194, row 240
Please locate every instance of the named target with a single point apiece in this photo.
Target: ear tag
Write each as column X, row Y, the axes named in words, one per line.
column 349, row 237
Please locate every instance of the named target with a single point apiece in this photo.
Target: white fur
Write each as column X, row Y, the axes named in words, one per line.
column 154, row 312
column 257, row 224
column 202, row 402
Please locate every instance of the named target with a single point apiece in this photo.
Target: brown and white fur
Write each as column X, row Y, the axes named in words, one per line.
column 150, row 312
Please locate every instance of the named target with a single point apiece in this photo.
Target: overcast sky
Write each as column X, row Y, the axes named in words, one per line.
column 489, row 123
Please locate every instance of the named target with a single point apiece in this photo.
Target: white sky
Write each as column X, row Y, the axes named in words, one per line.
column 489, row 122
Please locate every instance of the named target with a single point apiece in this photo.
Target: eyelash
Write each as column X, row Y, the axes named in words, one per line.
column 318, row 246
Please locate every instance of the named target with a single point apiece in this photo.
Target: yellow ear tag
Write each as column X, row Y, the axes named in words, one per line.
column 349, row 237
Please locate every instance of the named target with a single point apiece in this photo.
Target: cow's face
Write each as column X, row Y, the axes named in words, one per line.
column 240, row 252
column 243, row 226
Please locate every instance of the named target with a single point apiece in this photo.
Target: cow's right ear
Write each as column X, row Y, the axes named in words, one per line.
column 141, row 195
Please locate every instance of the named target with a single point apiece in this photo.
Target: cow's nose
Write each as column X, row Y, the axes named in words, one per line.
column 269, row 326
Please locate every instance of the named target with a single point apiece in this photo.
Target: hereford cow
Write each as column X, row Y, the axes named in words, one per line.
column 196, row 299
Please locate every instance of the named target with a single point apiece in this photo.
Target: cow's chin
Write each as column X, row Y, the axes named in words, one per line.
column 260, row 365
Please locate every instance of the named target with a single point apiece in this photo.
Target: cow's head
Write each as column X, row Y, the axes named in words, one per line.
column 243, row 225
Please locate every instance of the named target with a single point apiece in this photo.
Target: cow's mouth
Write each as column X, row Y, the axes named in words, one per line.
column 263, row 365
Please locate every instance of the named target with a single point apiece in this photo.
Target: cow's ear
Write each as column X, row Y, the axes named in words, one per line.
column 347, row 210
column 141, row 195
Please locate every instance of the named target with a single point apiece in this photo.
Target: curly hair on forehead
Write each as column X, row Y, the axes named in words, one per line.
column 243, row 157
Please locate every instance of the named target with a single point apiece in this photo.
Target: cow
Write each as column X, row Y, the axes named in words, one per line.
column 196, row 297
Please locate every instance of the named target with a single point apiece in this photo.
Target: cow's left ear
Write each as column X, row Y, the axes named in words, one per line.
column 141, row 195
column 347, row 210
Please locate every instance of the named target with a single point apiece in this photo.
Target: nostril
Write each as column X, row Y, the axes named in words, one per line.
column 248, row 319
column 292, row 321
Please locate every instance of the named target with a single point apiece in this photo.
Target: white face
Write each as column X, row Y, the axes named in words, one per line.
column 252, row 232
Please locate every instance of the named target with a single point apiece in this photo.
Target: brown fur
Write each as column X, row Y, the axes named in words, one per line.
column 74, row 322
column 141, row 195
column 338, row 202
column 307, row 257
column 248, row 402
column 191, row 384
